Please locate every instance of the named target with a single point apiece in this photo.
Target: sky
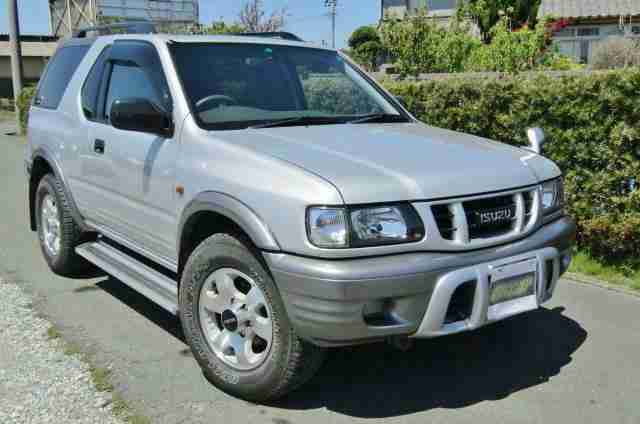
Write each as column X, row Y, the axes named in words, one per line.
column 306, row 18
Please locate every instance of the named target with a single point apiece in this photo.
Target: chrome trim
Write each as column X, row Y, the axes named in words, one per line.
column 462, row 239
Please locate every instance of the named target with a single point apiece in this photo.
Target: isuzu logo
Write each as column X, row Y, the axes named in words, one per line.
column 494, row 216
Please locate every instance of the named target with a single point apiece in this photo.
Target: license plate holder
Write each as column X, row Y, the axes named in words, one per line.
column 512, row 281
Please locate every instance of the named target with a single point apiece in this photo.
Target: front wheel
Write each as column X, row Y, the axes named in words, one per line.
column 237, row 326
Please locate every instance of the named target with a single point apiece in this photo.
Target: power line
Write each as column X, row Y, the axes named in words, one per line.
column 333, row 6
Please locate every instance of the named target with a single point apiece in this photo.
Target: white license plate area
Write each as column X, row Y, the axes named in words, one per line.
column 512, row 281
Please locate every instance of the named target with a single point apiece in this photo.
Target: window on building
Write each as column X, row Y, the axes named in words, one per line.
column 433, row 5
column 442, row 4
column 588, row 32
column 565, row 32
column 635, row 30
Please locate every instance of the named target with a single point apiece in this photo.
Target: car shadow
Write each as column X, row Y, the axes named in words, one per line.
column 378, row 381
column 143, row 306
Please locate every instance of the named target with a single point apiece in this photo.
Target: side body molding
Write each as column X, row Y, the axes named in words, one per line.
column 235, row 210
column 43, row 153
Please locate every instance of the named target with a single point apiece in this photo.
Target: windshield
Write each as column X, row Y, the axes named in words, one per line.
column 237, row 85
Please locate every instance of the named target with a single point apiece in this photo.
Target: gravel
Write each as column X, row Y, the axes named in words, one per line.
column 39, row 382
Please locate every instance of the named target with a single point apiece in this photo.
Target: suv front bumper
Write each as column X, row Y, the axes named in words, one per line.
column 350, row 301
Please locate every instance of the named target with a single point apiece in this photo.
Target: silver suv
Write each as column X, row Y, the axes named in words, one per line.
column 280, row 201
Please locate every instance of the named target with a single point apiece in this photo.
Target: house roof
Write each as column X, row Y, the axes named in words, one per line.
column 589, row 8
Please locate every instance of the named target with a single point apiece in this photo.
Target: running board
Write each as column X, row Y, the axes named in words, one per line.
column 146, row 281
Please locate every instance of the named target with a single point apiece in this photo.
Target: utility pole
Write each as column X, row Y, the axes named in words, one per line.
column 16, row 57
column 333, row 6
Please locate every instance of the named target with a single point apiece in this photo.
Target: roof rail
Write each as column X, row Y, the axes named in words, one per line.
column 141, row 27
column 278, row 34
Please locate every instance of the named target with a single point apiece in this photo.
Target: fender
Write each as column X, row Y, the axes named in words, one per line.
column 234, row 209
column 45, row 154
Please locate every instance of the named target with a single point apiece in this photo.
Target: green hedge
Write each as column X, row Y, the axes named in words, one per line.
column 24, row 103
column 592, row 122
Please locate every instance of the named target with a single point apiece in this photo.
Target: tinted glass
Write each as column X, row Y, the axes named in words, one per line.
column 247, row 84
column 128, row 81
column 91, row 88
column 59, row 72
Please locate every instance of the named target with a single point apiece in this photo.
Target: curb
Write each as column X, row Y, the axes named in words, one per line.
column 591, row 281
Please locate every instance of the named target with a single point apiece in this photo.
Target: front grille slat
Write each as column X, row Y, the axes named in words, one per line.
column 485, row 218
column 444, row 220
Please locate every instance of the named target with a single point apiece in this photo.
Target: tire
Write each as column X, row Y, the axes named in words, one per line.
column 288, row 362
column 63, row 260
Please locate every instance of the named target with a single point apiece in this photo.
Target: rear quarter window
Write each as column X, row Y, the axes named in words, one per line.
column 58, row 74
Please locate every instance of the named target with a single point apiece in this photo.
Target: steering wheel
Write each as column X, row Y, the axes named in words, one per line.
column 216, row 100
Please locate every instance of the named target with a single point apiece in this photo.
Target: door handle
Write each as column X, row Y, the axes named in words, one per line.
column 98, row 146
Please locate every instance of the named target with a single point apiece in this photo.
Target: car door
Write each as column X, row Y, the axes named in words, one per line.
column 130, row 175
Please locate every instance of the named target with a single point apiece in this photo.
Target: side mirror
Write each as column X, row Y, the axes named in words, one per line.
column 137, row 114
column 536, row 139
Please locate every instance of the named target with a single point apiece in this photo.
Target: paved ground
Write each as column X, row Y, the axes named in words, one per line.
column 575, row 361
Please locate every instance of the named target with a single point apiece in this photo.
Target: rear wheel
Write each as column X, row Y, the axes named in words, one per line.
column 237, row 326
column 59, row 234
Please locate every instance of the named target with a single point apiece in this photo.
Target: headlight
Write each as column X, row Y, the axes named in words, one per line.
column 327, row 227
column 369, row 226
column 552, row 195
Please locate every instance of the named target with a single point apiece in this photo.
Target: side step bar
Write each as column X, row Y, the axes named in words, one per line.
column 148, row 282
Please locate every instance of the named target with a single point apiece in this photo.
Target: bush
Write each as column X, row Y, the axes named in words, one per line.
column 615, row 237
column 592, row 124
column 24, row 103
column 420, row 44
column 510, row 51
column 616, row 52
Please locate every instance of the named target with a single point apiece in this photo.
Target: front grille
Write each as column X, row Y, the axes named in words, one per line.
column 502, row 208
column 485, row 218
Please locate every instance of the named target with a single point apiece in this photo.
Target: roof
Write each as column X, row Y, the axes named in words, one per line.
column 239, row 39
column 589, row 8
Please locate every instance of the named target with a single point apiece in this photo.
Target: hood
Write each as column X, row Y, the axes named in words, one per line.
column 397, row 162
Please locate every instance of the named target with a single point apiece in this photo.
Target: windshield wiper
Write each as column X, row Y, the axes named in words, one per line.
column 378, row 117
column 300, row 120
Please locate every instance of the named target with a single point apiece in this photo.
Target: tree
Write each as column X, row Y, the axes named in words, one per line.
column 422, row 44
column 487, row 13
column 510, row 51
column 253, row 17
column 221, row 27
column 366, row 47
column 362, row 35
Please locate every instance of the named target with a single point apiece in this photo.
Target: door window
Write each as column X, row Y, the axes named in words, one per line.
column 91, row 88
column 130, row 81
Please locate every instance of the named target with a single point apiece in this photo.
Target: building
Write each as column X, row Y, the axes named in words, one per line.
column 36, row 51
column 591, row 21
column 67, row 16
column 440, row 9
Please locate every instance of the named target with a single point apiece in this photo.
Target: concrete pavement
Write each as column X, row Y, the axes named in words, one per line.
column 575, row 361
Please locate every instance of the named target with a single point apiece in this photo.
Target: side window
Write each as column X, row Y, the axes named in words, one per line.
column 59, row 72
column 136, row 71
column 91, row 88
column 129, row 81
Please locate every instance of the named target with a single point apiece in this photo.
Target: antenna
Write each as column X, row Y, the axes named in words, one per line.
column 333, row 6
